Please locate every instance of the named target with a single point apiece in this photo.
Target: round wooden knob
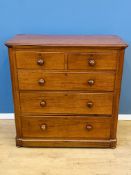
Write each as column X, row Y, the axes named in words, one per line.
column 40, row 61
column 41, row 81
column 91, row 82
column 90, row 104
column 89, row 127
column 43, row 127
column 42, row 103
column 91, row 62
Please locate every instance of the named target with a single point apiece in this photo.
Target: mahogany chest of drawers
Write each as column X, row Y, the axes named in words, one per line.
column 66, row 89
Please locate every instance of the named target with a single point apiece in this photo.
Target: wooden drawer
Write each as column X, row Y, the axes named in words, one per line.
column 66, row 103
column 83, row 127
column 39, row 80
column 92, row 61
column 39, row 60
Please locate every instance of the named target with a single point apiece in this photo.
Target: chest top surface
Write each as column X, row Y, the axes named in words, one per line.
column 67, row 40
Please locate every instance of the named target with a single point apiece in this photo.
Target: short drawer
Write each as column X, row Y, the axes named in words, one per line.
column 39, row 80
column 66, row 103
column 83, row 127
column 92, row 61
column 39, row 60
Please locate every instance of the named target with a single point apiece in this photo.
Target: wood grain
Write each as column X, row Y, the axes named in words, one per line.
column 66, row 103
column 66, row 89
column 103, row 61
column 29, row 59
column 117, row 93
column 67, row 40
column 15, row 91
column 29, row 80
column 66, row 127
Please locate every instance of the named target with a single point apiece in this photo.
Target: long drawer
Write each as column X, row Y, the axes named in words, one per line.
column 82, row 127
column 66, row 103
column 39, row 80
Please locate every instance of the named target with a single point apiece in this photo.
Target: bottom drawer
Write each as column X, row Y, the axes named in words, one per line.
column 82, row 127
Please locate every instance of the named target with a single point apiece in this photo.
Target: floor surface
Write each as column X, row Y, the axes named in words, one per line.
column 64, row 161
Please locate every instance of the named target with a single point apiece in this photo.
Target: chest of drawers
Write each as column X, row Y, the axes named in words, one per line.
column 66, row 89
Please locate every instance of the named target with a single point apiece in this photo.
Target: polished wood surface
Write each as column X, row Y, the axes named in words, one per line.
column 31, row 60
column 66, row 127
column 66, row 103
column 67, row 40
column 39, row 80
column 92, row 61
column 66, row 89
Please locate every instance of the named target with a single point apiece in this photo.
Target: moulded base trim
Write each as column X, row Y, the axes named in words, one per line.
column 22, row 142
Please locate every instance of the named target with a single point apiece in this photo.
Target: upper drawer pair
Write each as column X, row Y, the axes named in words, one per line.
column 74, row 61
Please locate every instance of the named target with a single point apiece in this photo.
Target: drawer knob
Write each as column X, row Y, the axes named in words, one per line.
column 89, row 127
column 43, row 127
column 41, row 81
column 40, row 61
column 91, row 82
column 90, row 104
column 91, row 62
column 42, row 103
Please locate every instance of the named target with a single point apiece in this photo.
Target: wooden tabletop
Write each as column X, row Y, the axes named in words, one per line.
column 67, row 40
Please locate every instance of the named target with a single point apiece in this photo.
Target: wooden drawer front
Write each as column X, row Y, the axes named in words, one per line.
column 93, row 61
column 66, row 102
column 39, row 80
column 39, row 60
column 66, row 127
